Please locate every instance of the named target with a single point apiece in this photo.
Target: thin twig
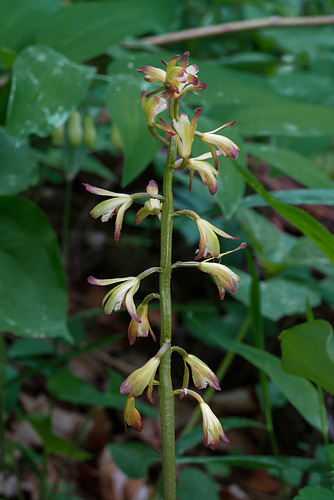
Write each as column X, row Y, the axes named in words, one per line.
column 226, row 28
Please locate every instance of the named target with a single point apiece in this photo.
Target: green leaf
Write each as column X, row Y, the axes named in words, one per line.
column 282, row 295
column 18, row 166
column 290, row 119
column 231, row 187
column 293, row 164
column 52, row 443
column 133, row 458
column 28, row 349
column 85, row 30
column 124, row 105
column 265, row 462
column 307, row 224
column 194, row 484
column 298, row 391
column 293, row 197
column 68, row 387
column 46, row 88
column 301, row 39
column 33, row 299
column 314, row 492
column 305, row 352
column 20, row 19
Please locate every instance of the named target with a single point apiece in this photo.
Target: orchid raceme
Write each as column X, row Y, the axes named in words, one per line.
column 152, row 206
column 121, row 296
column 118, row 203
column 131, row 414
column 224, row 277
column 137, row 382
column 143, row 328
column 227, row 147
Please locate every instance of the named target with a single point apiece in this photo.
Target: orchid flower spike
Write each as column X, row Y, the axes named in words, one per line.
column 137, row 382
column 117, row 203
column 131, row 414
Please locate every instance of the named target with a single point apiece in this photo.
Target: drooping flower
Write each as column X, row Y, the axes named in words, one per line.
column 121, row 296
column 117, row 203
column 202, row 375
column 206, row 171
column 143, row 328
column 153, row 106
column 227, row 147
column 151, row 206
column 137, row 382
column 212, row 428
column 131, row 414
column 224, row 277
column 209, row 243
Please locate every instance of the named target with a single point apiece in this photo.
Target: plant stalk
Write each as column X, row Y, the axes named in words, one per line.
column 166, row 399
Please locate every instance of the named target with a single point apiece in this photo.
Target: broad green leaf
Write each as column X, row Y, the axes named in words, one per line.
column 68, row 387
column 20, row 20
column 52, row 443
column 33, row 299
column 290, row 119
column 18, row 166
column 305, row 352
column 194, row 484
column 29, row 349
column 298, row 391
column 314, row 493
column 231, row 186
column 124, row 105
column 278, row 250
column 310, row 88
column 133, row 458
column 293, row 164
column 307, row 224
column 265, row 462
column 46, row 88
column 85, row 30
column 293, row 197
column 282, row 295
column 301, row 39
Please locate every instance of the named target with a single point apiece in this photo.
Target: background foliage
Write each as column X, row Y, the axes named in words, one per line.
column 59, row 57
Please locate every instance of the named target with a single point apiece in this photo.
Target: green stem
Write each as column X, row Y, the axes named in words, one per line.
column 165, row 388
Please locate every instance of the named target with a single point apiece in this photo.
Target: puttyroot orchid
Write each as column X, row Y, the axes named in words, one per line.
column 223, row 276
column 121, row 296
column 137, row 382
column 118, row 203
column 131, row 414
column 212, row 428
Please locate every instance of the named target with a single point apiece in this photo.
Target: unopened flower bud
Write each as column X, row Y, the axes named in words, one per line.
column 89, row 131
column 74, row 129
